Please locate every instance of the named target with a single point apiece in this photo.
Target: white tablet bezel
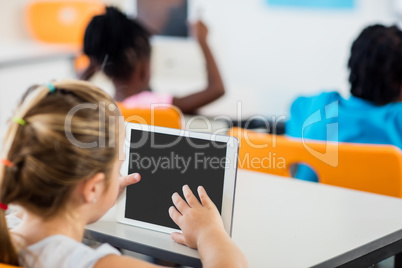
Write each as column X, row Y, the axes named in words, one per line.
column 229, row 177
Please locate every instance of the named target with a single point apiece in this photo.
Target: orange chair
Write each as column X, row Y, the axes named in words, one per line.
column 62, row 22
column 370, row 168
column 3, row 265
column 163, row 117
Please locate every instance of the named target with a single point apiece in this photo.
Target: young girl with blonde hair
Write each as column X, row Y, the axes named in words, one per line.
column 60, row 164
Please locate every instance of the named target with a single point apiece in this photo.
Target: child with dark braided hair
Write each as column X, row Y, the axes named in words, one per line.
column 373, row 114
column 120, row 47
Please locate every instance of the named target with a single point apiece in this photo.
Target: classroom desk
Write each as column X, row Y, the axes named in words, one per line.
column 25, row 52
column 281, row 222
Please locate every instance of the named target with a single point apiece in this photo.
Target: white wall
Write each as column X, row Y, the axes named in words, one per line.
column 279, row 54
column 12, row 24
column 270, row 55
column 267, row 55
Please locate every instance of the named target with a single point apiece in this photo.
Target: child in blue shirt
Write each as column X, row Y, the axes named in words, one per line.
column 373, row 114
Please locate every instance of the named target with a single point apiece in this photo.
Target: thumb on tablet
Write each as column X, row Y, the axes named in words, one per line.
column 178, row 238
column 125, row 181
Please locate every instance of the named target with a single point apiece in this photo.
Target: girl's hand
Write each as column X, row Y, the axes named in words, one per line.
column 199, row 31
column 125, row 181
column 196, row 220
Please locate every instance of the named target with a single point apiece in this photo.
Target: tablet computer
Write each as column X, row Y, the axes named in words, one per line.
column 167, row 159
column 162, row 17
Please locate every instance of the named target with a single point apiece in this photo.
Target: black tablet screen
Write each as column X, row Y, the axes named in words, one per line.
column 164, row 17
column 166, row 163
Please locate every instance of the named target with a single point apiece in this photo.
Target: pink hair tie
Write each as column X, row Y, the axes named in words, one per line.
column 3, row 206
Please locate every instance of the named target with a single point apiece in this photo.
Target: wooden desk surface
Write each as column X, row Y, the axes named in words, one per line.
column 281, row 222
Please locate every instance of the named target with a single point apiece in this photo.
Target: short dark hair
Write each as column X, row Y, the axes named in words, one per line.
column 375, row 64
column 116, row 43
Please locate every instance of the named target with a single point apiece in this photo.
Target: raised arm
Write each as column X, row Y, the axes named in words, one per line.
column 203, row 229
column 215, row 88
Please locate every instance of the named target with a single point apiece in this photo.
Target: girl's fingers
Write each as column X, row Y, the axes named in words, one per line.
column 180, row 204
column 205, row 200
column 178, row 238
column 190, row 198
column 125, row 181
column 175, row 215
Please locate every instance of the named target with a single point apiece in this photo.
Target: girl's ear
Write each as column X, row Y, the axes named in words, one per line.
column 93, row 188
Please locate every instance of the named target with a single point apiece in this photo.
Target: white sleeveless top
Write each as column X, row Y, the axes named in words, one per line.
column 60, row 251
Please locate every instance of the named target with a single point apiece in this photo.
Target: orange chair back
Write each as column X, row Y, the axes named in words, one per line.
column 163, row 117
column 370, row 168
column 3, row 265
column 61, row 21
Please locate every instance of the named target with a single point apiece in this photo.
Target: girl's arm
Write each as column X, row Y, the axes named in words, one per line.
column 215, row 88
column 202, row 228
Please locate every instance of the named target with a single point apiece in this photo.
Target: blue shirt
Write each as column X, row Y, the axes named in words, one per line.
column 330, row 117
